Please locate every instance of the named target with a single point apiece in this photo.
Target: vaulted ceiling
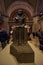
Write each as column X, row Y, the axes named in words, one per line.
column 36, row 4
column 33, row 3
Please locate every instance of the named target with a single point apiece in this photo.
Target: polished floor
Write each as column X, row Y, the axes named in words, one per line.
column 5, row 57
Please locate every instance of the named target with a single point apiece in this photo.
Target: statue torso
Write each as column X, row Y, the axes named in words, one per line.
column 19, row 20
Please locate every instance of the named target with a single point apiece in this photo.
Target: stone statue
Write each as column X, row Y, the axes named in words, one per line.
column 20, row 48
column 19, row 33
column 19, row 19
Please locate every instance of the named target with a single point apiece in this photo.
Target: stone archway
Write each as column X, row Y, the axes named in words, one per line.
column 20, row 4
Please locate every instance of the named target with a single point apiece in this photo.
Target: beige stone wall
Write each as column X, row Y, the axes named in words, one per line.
column 41, row 25
column 36, row 25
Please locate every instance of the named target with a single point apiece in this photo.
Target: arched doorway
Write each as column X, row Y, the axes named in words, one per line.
column 20, row 4
column 27, row 9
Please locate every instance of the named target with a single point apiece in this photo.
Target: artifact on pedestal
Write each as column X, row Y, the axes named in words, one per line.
column 20, row 48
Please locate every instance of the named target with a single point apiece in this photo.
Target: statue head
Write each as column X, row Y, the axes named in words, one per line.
column 20, row 12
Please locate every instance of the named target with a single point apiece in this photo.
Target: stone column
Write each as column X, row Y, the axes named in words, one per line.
column 2, row 6
column 5, row 19
column 41, row 25
column 36, row 26
column 5, row 24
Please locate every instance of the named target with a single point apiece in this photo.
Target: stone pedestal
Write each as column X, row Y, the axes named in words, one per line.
column 23, row 53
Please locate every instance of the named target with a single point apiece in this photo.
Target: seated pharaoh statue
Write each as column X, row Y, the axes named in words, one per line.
column 20, row 47
column 19, row 19
column 20, row 32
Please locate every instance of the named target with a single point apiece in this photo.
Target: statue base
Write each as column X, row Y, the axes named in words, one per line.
column 23, row 53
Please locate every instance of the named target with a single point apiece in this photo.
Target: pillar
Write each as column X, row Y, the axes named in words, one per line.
column 5, row 19
column 36, row 26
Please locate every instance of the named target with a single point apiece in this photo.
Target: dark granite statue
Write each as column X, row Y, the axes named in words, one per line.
column 20, row 48
column 19, row 19
column 20, row 32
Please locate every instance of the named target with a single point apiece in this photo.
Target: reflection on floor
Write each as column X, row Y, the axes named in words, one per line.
column 0, row 47
column 35, row 46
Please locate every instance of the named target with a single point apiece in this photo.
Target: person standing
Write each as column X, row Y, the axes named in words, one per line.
column 3, row 38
